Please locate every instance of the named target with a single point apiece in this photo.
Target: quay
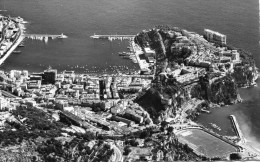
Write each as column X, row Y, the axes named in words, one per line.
column 138, row 51
column 113, row 37
column 237, row 128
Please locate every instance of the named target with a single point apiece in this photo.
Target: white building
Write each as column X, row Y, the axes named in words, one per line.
column 214, row 36
column 15, row 74
column 3, row 103
column 149, row 52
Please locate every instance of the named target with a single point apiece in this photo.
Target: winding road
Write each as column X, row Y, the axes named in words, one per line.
column 117, row 157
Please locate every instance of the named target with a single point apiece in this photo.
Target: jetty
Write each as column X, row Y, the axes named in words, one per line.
column 237, row 128
column 113, row 37
column 44, row 36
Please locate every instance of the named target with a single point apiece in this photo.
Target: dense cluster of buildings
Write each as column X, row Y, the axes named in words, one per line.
column 83, row 97
column 202, row 55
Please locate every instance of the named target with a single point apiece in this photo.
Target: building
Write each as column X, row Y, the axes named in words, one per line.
column 36, row 77
column 49, row 76
column 148, row 52
column 3, row 103
column 131, row 115
column 35, row 84
column 15, row 74
column 235, row 56
column 120, row 119
column 215, row 37
column 60, row 104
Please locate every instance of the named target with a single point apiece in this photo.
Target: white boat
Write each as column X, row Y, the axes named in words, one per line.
column 62, row 36
column 215, row 126
column 206, row 111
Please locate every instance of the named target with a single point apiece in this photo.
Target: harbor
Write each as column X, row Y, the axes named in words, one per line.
column 18, row 42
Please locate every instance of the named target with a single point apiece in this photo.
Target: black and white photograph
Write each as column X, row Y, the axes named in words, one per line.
column 129, row 80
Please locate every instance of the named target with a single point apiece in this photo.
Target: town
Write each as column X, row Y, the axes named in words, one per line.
column 129, row 117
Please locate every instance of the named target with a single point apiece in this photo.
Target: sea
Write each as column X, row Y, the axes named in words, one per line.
column 79, row 19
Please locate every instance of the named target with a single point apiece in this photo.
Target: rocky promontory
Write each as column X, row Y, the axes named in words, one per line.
column 192, row 72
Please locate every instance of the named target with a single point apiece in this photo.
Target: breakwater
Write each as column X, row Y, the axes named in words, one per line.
column 236, row 127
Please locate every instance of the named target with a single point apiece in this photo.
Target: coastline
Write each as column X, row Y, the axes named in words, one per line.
column 20, row 38
column 11, row 49
column 16, row 42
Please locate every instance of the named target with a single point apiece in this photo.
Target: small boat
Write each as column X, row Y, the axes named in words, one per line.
column 17, row 52
column 126, row 57
column 206, row 111
column 21, row 45
column 215, row 126
column 121, row 54
column 62, row 36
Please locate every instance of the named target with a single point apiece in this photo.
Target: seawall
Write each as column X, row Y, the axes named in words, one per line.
column 236, row 127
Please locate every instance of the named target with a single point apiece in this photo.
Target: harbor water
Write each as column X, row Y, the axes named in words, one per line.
column 79, row 19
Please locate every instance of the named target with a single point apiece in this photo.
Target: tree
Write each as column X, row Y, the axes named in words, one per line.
column 170, row 130
column 127, row 150
column 133, row 142
column 145, row 134
column 235, row 156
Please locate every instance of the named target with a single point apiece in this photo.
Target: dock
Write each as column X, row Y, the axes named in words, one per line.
column 113, row 37
column 236, row 127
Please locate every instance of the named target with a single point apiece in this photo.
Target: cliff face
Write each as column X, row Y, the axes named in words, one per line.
column 163, row 100
column 245, row 75
column 223, row 91
column 151, row 102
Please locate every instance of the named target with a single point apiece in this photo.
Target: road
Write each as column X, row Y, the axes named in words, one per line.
column 7, row 94
column 117, row 157
column 3, row 33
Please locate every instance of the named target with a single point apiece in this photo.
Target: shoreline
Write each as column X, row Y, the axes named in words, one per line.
column 11, row 49
column 16, row 42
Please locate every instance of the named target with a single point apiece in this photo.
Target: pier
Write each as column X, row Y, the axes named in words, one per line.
column 113, row 37
column 44, row 36
column 236, row 128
